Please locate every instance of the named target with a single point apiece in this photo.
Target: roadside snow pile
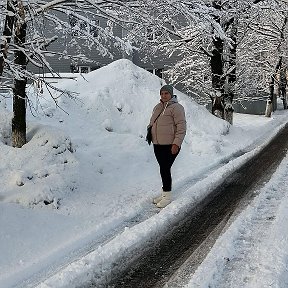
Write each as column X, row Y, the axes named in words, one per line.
column 41, row 172
column 114, row 100
column 93, row 164
column 119, row 98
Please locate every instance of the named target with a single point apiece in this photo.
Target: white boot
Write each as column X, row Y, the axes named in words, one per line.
column 166, row 199
column 158, row 199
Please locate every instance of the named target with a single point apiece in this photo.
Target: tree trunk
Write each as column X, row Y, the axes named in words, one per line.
column 19, row 119
column 231, row 73
column 7, row 32
column 270, row 107
column 216, row 60
column 216, row 63
column 282, row 84
column 217, row 66
column 19, row 91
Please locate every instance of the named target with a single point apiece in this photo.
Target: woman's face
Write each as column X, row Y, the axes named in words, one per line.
column 165, row 96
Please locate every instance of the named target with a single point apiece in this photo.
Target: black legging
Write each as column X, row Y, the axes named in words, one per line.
column 165, row 159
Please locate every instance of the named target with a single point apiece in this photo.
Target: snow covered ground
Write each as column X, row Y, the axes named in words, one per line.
column 77, row 197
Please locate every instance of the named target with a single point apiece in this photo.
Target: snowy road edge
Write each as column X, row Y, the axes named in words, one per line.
column 97, row 266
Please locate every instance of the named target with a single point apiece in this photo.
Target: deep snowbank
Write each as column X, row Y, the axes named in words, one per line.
column 86, row 175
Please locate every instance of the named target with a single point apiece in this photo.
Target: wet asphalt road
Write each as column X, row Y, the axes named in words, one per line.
column 203, row 224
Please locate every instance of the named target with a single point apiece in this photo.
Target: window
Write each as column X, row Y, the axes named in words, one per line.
column 80, row 69
column 78, row 25
column 158, row 72
column 84, row 69
column 73, row 68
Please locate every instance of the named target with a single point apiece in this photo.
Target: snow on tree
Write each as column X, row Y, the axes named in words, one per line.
column 208, row 39
column 184, row 29
column 195, row 32
column 262, row 50
column 28, row 29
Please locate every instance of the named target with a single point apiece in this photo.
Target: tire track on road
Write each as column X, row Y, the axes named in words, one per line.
column 157, row 266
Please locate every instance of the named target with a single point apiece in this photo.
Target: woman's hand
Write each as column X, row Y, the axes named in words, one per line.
column 174, row 149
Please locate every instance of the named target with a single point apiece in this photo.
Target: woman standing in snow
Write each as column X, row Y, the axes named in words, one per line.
column 168, row 131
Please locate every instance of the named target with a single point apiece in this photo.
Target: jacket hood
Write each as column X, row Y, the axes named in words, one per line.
column 172, row 100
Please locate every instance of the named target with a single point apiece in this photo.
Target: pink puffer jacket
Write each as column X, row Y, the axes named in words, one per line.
column 170, row 126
